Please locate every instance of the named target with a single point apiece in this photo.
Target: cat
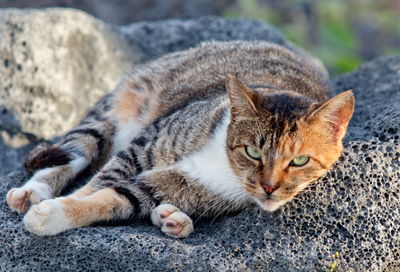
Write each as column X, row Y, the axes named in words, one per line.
column 197, row 133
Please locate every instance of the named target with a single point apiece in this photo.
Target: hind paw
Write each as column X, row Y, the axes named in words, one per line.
column 47, row 218
column 172, row 221
column 21, row 199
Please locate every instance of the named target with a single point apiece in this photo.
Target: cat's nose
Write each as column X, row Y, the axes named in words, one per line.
column 269, row 189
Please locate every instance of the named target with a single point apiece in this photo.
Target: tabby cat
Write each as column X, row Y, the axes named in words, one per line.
column 198, row 133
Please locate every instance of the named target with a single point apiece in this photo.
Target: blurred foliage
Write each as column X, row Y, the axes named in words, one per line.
column 342, row 33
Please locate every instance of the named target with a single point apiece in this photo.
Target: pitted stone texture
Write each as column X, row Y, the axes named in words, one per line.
column 55, row 63
column 353, row 210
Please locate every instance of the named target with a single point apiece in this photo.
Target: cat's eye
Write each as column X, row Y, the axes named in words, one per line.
column 299, row 161
column 253, row 153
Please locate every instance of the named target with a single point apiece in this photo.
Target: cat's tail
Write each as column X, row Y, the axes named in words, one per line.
column 44, row 155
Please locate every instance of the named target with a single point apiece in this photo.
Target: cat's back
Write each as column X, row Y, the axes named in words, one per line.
column 199, row 73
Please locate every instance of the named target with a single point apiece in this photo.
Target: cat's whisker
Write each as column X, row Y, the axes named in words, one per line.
column 307, row 190
column 219, row 201
column 241, row 178
column 230, row 206
column 244, row 179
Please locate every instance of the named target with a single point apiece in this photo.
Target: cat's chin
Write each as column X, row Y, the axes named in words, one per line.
column 271, row 205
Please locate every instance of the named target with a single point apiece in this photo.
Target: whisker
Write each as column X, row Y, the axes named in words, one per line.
column 230, row 206
column 218, row 200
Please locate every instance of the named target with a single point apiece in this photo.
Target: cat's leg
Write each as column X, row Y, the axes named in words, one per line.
column 110, row 195
column 53, row 167
column 172, row 221
column 181, row 199
column 53, row 216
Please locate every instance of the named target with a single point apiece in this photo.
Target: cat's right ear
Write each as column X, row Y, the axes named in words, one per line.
column 336, row 114
column 243, row 99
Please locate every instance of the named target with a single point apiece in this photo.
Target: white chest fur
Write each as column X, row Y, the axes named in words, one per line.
column 210, row 166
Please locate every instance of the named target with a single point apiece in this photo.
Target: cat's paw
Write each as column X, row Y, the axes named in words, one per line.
column 33, row 192
column 172, row 221
column 47, row 218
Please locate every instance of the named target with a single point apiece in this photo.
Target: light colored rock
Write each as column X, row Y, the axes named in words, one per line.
column 54, row 64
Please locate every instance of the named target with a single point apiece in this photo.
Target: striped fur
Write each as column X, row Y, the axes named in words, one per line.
column 175, row 132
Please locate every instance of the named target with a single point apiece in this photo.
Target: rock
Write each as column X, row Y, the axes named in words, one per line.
column 125, row 11
column 155, row 39
column 353, row 210
column 13, row 143
column 53, row 64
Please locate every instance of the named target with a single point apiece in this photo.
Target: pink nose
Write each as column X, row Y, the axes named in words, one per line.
column 268, row 188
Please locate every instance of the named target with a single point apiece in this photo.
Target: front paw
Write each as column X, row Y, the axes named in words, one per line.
column 21, row 199
column 172, row 221
column 47, row 218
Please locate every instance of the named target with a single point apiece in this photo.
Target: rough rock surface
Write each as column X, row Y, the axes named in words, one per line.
column 354, row 210
column 54, row 63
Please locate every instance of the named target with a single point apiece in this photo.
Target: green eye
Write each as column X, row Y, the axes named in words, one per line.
column 253, row 153
column 299, row 161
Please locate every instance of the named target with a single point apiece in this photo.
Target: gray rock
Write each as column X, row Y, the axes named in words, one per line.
column 353, row 210
column 126, row 11
column 13, row 143
column 155, row 39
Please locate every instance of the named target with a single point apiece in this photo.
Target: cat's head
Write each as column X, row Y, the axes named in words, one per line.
column 279, row 142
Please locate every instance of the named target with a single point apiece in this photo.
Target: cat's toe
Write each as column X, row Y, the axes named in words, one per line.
column 177, row 225
column 18, row 199
column 172, row 221
column 47, row 218
column 161, row 212
column 21, row 199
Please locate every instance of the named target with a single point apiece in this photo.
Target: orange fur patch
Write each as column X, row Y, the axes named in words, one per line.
column 84, row 191
column 99, row 206
column 128, row 104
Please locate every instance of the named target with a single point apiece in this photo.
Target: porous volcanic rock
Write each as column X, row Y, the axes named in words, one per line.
column 353, row 210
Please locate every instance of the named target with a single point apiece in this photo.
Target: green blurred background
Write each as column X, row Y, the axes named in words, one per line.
column 342, row 33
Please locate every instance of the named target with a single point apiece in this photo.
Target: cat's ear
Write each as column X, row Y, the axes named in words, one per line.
column 243, row 99
column 336, row 114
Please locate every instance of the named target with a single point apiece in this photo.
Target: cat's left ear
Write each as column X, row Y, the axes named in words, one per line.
column 243, row 99
column 336, row 113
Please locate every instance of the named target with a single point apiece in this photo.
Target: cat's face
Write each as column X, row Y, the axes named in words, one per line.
column 279, row 143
